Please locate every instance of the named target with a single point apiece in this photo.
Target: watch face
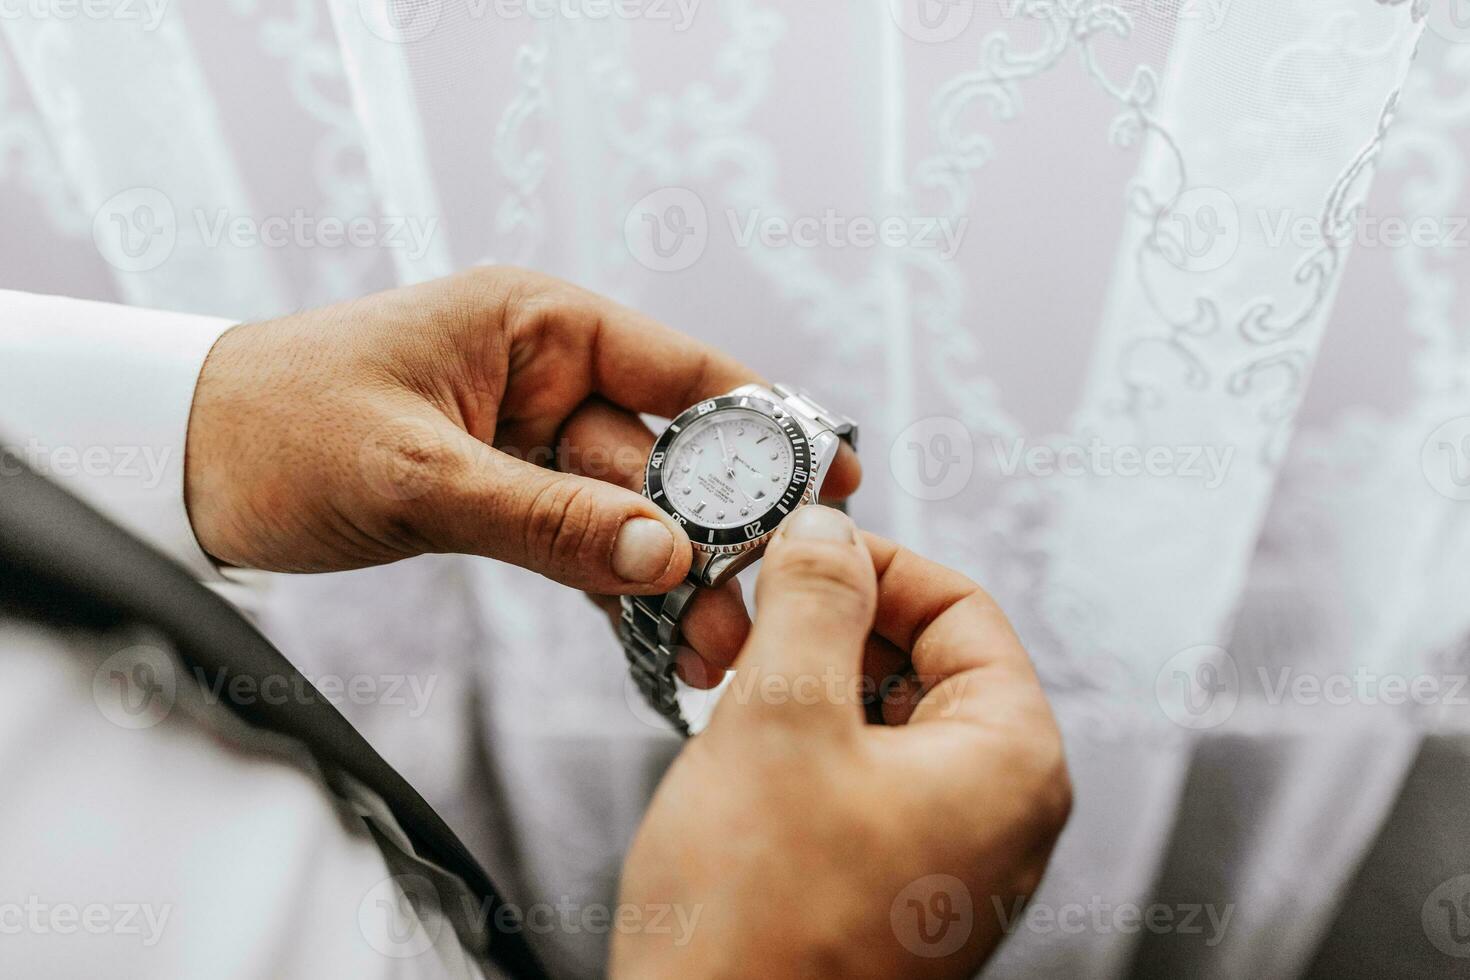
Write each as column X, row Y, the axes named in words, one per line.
column 730, row 469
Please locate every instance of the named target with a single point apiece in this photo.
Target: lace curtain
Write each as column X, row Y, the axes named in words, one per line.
column 1153, row 312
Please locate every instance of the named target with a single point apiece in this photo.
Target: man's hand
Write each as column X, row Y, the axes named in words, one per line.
column 425, row 419
column 800, row 841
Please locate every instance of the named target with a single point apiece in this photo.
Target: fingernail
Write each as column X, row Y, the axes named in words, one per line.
column 816, row 523
column 642, row 550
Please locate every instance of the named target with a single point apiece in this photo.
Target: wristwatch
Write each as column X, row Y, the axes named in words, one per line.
column 730, row 470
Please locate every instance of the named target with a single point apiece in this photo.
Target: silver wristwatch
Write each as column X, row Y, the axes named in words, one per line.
column 730, row 470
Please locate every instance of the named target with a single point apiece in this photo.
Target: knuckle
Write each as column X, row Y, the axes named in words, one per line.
column 1049, row 783
column 562, row 524
column 826, row 575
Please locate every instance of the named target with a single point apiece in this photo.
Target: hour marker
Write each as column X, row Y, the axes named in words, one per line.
column 700, row 508
column 773, row 456
column 744, row 511
column 686, row 491
column 760, row 495
column 719, row 515
column 775, row 477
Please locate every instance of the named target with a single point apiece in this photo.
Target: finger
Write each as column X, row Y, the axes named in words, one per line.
column 559, row 331
column 967, row 659
column 885, row 667
column 578, row 531
column 714, row 628
column 607, row 443
column 844, row 475
column 814, row 608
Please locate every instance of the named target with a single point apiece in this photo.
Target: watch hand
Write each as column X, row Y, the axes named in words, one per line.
column 720, row 434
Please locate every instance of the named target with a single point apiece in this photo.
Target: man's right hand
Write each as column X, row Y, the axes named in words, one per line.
column 803, row 842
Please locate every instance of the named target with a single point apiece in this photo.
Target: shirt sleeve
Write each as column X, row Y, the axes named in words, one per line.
column 97, row 397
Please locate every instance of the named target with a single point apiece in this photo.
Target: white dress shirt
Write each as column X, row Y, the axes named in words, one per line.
column 148, row 832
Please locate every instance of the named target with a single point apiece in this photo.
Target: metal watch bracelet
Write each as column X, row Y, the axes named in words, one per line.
column 649, row 628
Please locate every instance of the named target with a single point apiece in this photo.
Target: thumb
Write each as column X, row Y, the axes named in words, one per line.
column 815, row 601
column 580, row 532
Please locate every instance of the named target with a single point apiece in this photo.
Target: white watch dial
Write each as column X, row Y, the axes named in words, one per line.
column 728, row 468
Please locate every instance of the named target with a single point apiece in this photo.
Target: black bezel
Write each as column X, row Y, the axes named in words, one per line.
column 801, row 470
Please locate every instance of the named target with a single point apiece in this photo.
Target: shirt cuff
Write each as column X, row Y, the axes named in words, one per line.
column 97, row 397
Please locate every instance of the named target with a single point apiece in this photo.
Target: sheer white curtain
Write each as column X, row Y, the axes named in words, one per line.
column 1153, row 311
